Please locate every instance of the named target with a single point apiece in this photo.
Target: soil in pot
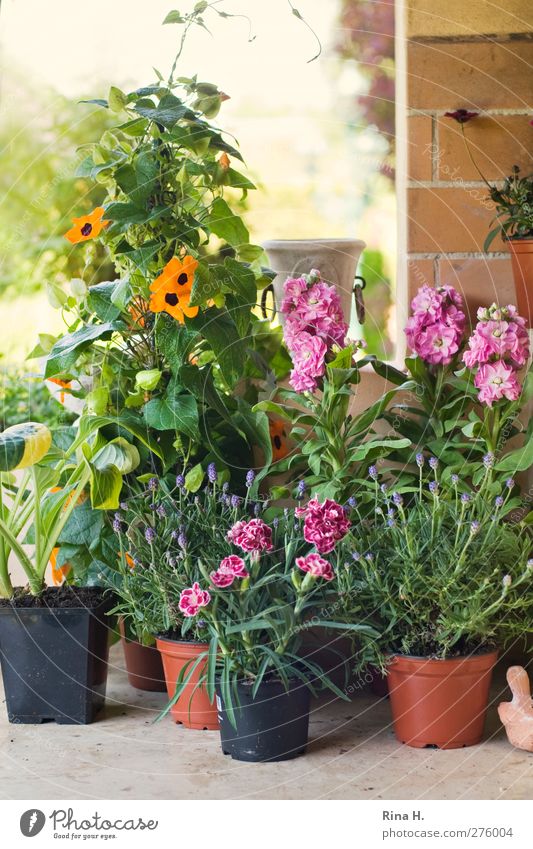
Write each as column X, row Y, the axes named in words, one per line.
column 440, row 703
column 193, row 708
column 54, row 652
column 143, row 664
column 273, row 726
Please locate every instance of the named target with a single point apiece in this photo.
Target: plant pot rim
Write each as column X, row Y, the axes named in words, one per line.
column 428, row 659
column 326, row 242
column 520, row 239
column 104, row 604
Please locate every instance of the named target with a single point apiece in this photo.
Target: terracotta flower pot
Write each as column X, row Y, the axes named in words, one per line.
column 522, row 263
column 336, row 259
column 193, row 708
column 143, row 664
column 440, row 702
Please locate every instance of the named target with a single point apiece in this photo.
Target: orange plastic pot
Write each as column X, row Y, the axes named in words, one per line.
column 193, row 708
column 522, row 264
column 143, row 664
column 440, row 703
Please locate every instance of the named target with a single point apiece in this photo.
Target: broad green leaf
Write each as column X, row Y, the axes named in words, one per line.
column 173, row 413
column 148, row 379
column 168, row 112
column 226, row 225
column 100, row 300
column 116, row 99
column 517, row 461
column 118, row 453
column 194, row 478
column 67, row 349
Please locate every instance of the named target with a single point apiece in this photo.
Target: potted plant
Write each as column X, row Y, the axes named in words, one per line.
column 466, row 389
column 331, row 446
column 513, row 222
column 275, row 581
column 53, row 641
column 160, row 355
column 445, row 578
column 164, row 530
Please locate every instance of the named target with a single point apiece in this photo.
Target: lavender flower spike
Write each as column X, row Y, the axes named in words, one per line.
column 373, row 473
column 250, row 477
column 434, row 463
column 149, row 534
column 419, row 460
column 212, row 473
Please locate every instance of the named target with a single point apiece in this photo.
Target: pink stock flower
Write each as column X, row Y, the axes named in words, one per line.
column 435, row 330
column 437, row 344
column 316, row 566
column 496, row 381
column 254, row 536
column 308, row 357
column 500, row 334
column 313, row 324
column 229, row 568
column 324, row 524
column 192, row 599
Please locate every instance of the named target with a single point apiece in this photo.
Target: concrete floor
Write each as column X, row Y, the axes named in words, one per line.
column 352, row 755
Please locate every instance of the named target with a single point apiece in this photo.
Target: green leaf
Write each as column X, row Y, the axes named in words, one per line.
column 174, row 17
column 388, row 372
column 116, row 99
column 222, row 335
column 100, row 300
column 148, row 379
column 226, row 225
column 519, row 460
column 365, row 448
column 194, row 478
column 118, row 453
column 121, row 294
column 168, row 112
column 173, row 413
column 67, row 349
column 277, row 409
column 174, row 341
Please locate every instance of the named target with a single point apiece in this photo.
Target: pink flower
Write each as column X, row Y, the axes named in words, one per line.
column 293, row 288
column 435, row 330
column 499, row 334
column 496, row 381
column 316, row 566
column 229, row 568
column 308, row 357
column 191, row 600
column 254, row 536
column 324, row 525
column 437, row 344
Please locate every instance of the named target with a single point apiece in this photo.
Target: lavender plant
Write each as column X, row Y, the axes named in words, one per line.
column 441, row 571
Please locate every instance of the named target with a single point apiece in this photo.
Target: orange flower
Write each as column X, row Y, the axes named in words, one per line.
column 224, row 161
column 171, row 291
column 137, row 315
column 87, row 227
column 279, row 439
column 64, row 384
column 58, row 573
column 129, row 560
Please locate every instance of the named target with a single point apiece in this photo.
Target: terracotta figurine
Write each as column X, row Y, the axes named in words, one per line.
column 517, row 716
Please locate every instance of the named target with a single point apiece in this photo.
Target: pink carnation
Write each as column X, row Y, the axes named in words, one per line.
column 496, row 381
column 191, row 600
column 324, row 525
column 316, row 566
column 229, row 568
column 254, row 536
column 293, row 289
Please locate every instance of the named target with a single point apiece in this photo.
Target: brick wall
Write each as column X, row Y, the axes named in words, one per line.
column 477, row 56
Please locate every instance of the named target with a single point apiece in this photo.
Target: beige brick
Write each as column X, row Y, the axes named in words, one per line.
column 437, row 18
column 480, row 281
column 496, row 143
column 419, row 147
column 475, row 75
column 454, row 220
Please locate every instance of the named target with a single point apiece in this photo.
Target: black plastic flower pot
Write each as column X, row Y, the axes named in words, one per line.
column 273, row 726
column 54, row 662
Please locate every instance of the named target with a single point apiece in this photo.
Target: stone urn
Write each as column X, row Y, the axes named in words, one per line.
column 336, row 259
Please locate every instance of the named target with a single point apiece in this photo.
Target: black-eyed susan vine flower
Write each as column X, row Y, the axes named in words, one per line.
column 171, row 291
column 87, row 226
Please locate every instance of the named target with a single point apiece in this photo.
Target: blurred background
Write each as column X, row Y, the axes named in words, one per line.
column 317, row 137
